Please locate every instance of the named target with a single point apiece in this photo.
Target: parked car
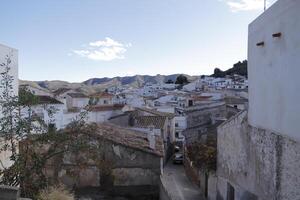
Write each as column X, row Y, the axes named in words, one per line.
column 177, row 149
column 178, row 158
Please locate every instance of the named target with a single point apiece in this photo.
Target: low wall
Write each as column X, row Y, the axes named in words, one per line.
column 191, row 172
column 9, row 193
column 163, row 193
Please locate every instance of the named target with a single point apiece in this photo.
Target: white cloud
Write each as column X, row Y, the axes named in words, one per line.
column 105, row 50
column 245, row 5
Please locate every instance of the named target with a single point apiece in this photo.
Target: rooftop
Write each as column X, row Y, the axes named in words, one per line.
column 148, row 121
column 235, row 100
column 99, row 108
column 47, row 100
column 102, row 95
column 77, row 95
column 130, row 138
column 155, row 112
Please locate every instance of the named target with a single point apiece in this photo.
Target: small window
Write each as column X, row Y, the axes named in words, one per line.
column 176, row 134
column 176, row 124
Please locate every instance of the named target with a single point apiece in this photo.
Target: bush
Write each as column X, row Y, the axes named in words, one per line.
column 56, row 193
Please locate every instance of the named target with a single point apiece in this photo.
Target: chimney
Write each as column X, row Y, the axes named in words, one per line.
column 151, row 138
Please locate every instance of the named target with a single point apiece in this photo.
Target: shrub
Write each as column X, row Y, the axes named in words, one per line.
column 58, row 192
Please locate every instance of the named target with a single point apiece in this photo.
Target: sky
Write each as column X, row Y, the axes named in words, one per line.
column 74, row 40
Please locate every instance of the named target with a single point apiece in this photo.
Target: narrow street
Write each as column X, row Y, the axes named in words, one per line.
column 177, row 184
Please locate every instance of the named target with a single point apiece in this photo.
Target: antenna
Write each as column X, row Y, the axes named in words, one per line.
column 265, row 5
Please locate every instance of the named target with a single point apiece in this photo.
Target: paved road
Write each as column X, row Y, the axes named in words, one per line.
column 178, row 185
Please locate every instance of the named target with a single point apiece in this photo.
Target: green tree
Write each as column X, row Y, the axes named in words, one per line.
column 25, row 136
column 181, row 80
column 169, row 81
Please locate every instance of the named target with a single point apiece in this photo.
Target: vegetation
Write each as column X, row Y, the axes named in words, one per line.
column 204, row 154
column 169, row 81
column 56, row 193
column 181, row 80
column 32, row 144
column 239, row 68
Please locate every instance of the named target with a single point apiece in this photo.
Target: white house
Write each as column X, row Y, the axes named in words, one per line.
column 194, row 86
column 46, row 104
column 76, row 100
column 101, row 113
column 101, row 98
column 180, row 126
column 259, row 151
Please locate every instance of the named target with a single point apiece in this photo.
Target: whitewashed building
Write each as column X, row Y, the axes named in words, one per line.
column 259, row 151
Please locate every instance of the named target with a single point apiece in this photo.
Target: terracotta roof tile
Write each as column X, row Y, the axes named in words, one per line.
column 99, row 108
column 130, row 138
column 148, row 121
column 47, row 100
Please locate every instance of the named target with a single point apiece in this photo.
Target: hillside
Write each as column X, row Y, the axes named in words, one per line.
column 239, row 68
column 100, row 84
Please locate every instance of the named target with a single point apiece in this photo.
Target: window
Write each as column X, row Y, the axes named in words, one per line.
column 105, row 102
column 230, row 192
column 190, row 102
column 176, row 124
column 176, row 134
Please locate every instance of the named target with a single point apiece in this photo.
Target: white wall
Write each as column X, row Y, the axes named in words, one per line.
column 274, row 69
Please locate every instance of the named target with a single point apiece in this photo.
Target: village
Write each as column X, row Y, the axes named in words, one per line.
column 216, row 138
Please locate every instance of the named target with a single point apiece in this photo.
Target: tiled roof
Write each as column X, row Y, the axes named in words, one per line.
column 234, row 100
column 148, row 121
column 99, row 108
column 47, row 100
column 102, row 95
column 77, row 95
column 201, row 98
column 130, row 138
column 155, row 112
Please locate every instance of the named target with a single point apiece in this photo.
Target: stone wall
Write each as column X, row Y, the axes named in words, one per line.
column 199, row 119
column 257, row 163
column 125, row 167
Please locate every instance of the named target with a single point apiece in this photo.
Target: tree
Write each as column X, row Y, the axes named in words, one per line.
column 21, row 128
column 169, row 81
column 219, row 73
column 181, row 80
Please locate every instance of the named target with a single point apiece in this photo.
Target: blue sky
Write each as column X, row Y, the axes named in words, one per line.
column 74, row 40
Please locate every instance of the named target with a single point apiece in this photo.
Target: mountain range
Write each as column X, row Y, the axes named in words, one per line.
column 100, row 84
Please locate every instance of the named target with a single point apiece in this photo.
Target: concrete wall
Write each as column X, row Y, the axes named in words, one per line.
column 273, row 69
column 102, row 116
column 259, row 164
